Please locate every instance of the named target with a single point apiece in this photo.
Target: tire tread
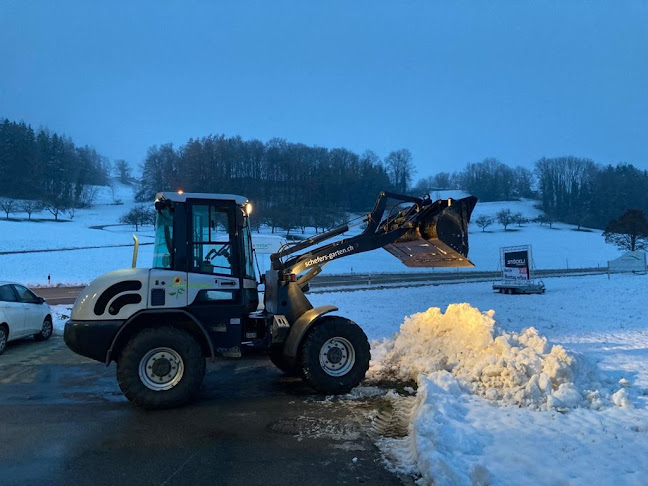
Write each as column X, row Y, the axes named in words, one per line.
column 128, row 368
column 309, row 356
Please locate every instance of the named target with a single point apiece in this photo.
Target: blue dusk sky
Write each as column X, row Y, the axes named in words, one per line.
column 454, row 82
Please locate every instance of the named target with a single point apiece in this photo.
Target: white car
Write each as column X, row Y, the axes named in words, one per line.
column 22, row 314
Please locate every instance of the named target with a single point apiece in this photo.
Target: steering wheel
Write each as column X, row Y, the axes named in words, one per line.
column 213, row 253
column 224, row 251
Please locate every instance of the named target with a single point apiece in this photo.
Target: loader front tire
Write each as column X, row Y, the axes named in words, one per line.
column 279, row 360
column 335, row 356
column 161, row 368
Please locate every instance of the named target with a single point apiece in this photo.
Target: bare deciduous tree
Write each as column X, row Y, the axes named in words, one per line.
column 504, row 217
column 8, row 206
column 483, row 222
column 519, row 219
column 138, row 216
column 30, row 207
column 401, row 169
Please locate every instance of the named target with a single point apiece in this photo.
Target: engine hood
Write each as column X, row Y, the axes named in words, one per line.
column 112, row 295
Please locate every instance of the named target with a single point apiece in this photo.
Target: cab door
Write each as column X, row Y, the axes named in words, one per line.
column 214, row 278
column 12, row 311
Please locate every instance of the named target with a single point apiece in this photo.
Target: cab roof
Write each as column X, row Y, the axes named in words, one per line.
column 182, row 197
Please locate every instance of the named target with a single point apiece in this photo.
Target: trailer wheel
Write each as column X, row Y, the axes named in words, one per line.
column 279, row 360
column 335, row 356
column 161, row 368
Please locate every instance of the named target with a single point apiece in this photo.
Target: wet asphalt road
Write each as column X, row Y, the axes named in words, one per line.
column 63, row 421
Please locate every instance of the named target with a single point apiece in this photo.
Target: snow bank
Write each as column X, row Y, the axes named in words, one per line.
column 463, row 439
column 60, row 315
column 513, row 368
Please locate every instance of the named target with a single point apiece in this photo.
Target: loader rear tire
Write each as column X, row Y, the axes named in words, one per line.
column 161, row 368
column 335, row 355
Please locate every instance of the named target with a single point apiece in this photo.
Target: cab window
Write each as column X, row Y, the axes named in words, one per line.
column 247, row 251
column 163, row 249
column 212, row 250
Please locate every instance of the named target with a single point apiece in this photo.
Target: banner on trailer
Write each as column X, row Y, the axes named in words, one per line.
column 516, row 265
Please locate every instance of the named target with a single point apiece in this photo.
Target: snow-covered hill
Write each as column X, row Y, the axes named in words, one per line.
column 560, row 247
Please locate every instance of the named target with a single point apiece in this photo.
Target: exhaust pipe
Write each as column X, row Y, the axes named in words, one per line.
column 135, row 250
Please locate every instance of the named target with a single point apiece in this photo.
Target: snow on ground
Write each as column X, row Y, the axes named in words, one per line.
column 529, row 389
column 560, row 247
column 45, row 233
column 462, row 439
column 477, row 420
column 73, row 266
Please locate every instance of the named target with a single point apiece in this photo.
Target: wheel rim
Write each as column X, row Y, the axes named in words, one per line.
column 3, row 339
column 337, row 356
column 161, row 369
column 46, row 331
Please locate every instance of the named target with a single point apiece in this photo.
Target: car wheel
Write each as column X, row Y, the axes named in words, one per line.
column 46, row 331
column 335, row 356
column 4, row 336
column 161, row 368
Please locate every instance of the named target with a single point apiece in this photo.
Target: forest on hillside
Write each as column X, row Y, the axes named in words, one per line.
column 45, row 166
column 295, row 185
column 292, row 185
column 281, row 176
column 569, row 189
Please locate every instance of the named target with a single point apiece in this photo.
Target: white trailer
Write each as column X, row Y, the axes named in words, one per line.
column 516, row 263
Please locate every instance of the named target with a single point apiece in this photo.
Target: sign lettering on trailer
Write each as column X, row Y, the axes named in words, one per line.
column 516, row 266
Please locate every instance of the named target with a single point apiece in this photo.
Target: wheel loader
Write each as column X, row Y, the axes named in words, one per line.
column 200, row 299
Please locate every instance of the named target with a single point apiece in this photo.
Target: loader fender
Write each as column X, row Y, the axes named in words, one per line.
column 175, row 317
column 301, row 327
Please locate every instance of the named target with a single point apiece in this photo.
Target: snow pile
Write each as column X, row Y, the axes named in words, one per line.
column 60, row 315
column 514, row 368
column 463, row 439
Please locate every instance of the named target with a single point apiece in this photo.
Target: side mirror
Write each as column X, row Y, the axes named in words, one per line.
column 40, row 300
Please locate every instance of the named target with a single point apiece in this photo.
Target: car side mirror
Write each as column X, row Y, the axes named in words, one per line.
column 40, row 300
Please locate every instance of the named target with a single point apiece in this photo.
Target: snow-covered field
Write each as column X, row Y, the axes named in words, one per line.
column 512, row 389
column 560, row 247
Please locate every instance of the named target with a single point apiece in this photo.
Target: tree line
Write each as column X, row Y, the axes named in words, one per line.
column 48, row 167
column 293, row 185
column 324, row 183
column 569, row 189
column 581, row 192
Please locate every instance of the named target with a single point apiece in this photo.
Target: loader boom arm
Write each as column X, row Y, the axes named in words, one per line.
column 425, row 233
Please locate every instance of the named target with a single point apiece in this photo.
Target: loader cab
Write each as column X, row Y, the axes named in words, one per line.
column 207, row 236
